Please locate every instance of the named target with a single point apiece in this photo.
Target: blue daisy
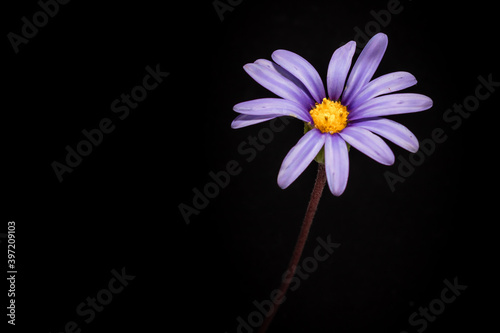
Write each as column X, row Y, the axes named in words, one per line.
column 349, row 113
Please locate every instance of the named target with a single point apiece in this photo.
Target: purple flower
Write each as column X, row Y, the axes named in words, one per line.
column 351, row 112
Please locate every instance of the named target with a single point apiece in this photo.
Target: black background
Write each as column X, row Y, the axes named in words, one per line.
column 119, row 207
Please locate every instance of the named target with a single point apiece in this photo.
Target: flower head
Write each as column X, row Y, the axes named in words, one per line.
column 351, row 112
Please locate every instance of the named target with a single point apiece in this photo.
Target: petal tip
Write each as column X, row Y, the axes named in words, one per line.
column 413, row 149
column 428, row 103
column 337, row 190
column 249, row 67
column 281, row 183
column 381, row 35
column 415, row 145
column 389, row 161
column 337, row 193
column 279, row 53
column 350, row 45
column 235, row 107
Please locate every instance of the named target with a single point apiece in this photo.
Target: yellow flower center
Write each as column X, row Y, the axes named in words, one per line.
column 329, row 116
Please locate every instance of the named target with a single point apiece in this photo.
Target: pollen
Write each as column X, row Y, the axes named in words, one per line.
column 329, row 116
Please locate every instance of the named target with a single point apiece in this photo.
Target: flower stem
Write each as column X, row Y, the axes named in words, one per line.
column 299, row 246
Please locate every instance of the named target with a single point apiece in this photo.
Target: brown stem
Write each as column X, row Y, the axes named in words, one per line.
column 299, row 246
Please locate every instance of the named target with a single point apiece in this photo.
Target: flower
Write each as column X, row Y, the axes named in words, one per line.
column 352, row 112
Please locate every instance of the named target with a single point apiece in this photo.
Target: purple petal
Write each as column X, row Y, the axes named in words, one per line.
column 368, row 143
column 302, row 70
column 273, row 107
column 338, row 69
column 300, row 156
column 384, row 84
column 244, row 120
column 286, row 74
column 277, row 84
column 365, row 66
column 392, row 131
column 391, row 104
column 336, row 163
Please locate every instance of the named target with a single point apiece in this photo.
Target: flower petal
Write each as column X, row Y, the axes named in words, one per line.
column 300, row 156
column 273, row 107
column 277, row 84
column 384, row 84
column 302, row 70
column 244, row 120
column 338, row 69
column 336, row 163
column 286, row 74
column 392, row 131
column 365, row 66
column 391, row 104
column 368, row 143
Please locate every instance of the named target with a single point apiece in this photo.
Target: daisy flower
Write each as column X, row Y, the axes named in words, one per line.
column 349, row 113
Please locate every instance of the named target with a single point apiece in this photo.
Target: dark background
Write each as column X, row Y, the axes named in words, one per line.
column 119, row 207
